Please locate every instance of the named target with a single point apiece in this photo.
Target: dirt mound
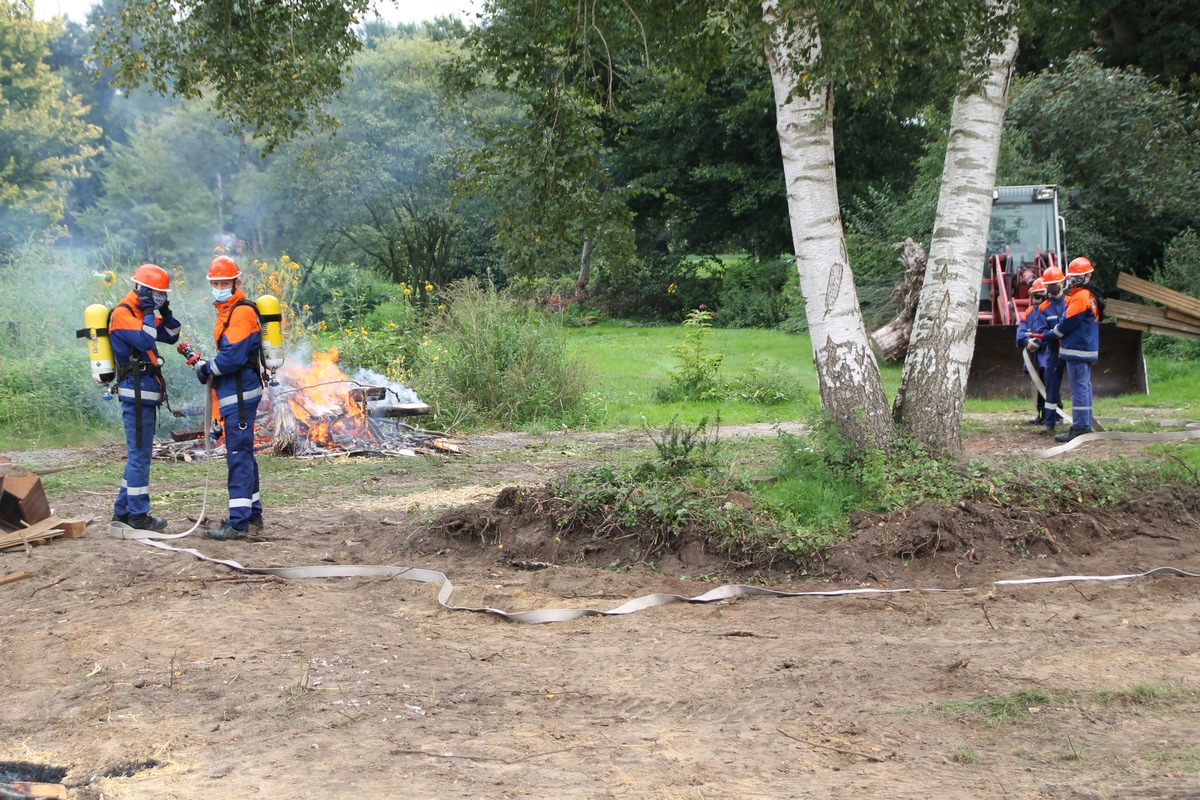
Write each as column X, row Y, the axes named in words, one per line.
column 926, row 546
column 976, row 542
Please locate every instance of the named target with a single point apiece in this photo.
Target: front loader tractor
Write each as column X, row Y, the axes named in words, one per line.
column 1027, row 237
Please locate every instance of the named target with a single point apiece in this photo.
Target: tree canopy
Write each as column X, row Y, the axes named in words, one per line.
column 44, row 138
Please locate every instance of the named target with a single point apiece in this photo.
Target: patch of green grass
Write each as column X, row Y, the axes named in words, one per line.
column 993, row 711
column 964, row 754
column 629, row 363
column 1184, row 759
column 1019, row 705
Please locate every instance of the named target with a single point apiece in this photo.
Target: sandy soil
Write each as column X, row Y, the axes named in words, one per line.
column 143, row 674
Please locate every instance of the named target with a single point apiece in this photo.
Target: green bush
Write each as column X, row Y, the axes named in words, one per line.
column 751, row 294
column 498, row 361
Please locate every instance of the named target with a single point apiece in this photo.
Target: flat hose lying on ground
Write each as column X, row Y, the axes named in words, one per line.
column 630, row 606
column 1191, row 429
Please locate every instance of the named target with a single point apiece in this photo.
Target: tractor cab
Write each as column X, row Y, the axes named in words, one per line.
column 1025, row 237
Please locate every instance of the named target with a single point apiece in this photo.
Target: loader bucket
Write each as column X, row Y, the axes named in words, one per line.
column 996, row 365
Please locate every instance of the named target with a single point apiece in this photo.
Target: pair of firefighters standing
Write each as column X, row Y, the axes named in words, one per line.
column 1062, row 332
column 141, row 320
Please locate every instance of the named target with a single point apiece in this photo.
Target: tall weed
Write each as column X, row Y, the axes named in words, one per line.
column 499, row 362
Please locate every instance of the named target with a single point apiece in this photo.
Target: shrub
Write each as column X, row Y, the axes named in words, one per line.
column 499, row 361
column 698, row 376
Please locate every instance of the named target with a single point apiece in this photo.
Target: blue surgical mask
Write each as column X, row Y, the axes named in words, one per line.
column 221, row 295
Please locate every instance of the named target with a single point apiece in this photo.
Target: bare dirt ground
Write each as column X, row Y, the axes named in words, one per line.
column 139, row 673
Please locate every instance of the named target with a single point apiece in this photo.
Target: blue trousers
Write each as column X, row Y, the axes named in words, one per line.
column 1054, row 376
column 133, row 498
column 244, row 501
column 1079, row 378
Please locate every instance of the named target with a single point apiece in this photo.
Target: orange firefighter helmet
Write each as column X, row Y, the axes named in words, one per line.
column 152, row 277
column 1079, row 266
column 223, row 268
column 1052, row 275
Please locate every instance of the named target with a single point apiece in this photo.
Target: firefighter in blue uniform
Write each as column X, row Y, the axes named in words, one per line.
column 235, row 377
column 140, row 320
column 1079, row 343
column 1029, row 334
column 1050, row 313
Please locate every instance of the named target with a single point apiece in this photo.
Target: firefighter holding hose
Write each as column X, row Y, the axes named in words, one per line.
column 235, row 377
column 141, row 320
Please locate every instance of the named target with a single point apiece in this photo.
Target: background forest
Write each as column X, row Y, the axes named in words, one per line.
column 478, row 152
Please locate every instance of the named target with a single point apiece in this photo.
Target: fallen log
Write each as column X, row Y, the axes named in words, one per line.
column 890, row 342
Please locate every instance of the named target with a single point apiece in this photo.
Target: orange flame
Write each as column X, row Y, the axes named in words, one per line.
column 329, row 408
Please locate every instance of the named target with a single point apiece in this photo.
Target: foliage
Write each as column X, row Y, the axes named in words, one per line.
column 269, row 66
column 698, row 375
column 681, row 491
column 44, row 138
column 659, row 288
column 751, row 294
column 1180, row 271
column 1114, row 131
column 378, row 193
column 499, row 362
column 162, row 191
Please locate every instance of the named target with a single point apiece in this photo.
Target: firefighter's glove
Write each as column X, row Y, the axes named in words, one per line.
column 1032, row 345
column 165, row 309
column 203, row 373
column 145, row 299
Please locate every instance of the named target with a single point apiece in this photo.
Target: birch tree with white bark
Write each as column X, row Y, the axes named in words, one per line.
column 848, row 376
column 929, row 403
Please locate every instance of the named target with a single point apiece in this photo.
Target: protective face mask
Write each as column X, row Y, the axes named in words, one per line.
column 221, row 295
column 160, row 299
column 1056, row 290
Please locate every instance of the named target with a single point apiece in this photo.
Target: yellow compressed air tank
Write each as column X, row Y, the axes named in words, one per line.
column 272, row 332
column 95, row 331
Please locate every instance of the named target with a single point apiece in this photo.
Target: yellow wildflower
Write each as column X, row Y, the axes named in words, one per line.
column 429, row 287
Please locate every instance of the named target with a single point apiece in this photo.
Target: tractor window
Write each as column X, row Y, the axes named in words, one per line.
column 1023, row 229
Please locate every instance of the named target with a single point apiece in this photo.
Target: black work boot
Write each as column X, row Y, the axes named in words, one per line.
column 256, row 524
column 224, row 532
column 145, row 522
column 121, row 518
column 1073, row 433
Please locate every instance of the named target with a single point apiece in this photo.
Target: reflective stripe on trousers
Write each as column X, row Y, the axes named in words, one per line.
column 1079, row 378
column 243, row 469
column 133, row 498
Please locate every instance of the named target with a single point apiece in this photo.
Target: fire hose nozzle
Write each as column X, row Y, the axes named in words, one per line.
column 184, row 349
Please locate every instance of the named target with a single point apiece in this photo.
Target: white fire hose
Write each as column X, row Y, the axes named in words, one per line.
column 120, row 530
column 1191, row 429
column 546, row 615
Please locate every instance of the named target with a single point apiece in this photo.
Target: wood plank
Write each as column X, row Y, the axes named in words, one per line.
column 73, row 528
column 13, row 577
column 36, row 532
column 1159, row 294
column 1149, row 315
column 41, row 791
column 1142, row 326
column 1179, row 316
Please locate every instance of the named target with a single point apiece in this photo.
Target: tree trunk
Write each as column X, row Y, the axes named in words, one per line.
column 890, row 342
column 847, row 374
column 930, row 400
column 585, row 270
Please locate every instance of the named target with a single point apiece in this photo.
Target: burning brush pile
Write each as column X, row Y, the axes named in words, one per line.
column 317, row 410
